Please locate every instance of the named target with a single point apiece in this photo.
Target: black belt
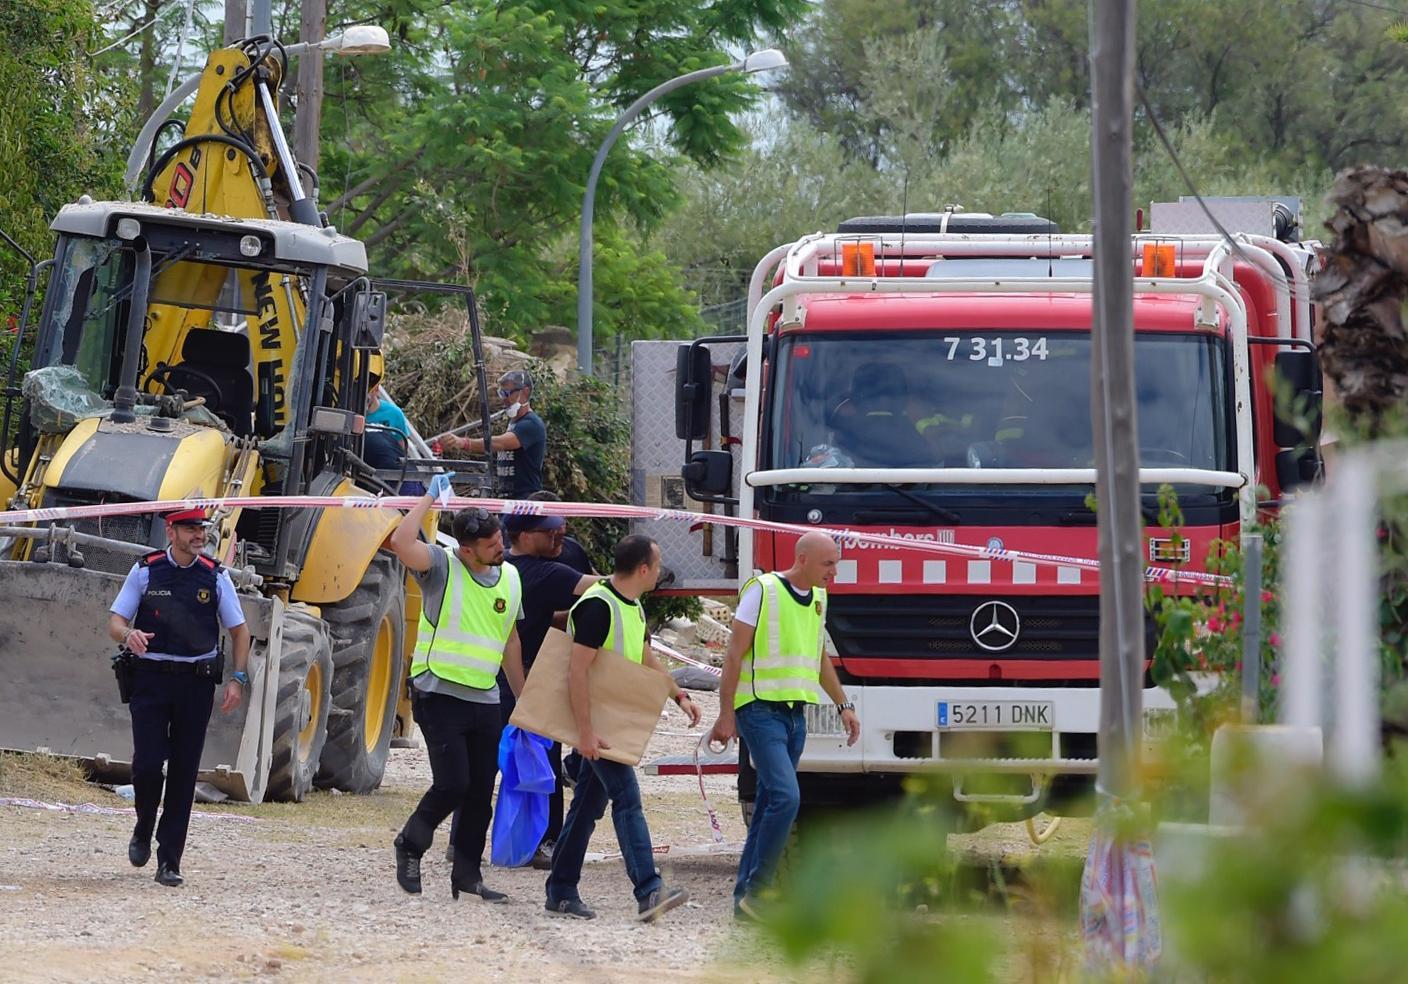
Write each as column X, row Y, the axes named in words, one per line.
column 208, row 668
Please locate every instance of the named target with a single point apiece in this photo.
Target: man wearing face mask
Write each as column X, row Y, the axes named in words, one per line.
column 519, row 450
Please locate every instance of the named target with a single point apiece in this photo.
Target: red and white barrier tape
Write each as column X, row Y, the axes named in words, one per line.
column 660, row 647
column 583, row 510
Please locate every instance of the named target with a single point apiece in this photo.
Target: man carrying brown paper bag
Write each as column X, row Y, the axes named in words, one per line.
column 609, row 618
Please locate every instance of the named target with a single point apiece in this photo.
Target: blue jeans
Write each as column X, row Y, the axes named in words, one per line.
column 774, row 733
column 597, row 782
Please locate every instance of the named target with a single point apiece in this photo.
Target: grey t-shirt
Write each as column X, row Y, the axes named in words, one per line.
column 433, row 583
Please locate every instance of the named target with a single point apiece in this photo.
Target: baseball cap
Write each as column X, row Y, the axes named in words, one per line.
column 530, row 524
column 187, row 517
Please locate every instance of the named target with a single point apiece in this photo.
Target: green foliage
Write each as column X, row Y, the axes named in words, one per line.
column 466, row 150
column 63, row 127
column 1200, row 632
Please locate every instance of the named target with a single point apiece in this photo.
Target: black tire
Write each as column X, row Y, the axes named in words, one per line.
column 368, row 637
column 301, row 711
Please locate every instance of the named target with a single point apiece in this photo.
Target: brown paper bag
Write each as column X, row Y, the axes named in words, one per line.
column 626, row 700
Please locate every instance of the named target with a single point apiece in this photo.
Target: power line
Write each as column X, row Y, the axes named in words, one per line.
column 161, row 9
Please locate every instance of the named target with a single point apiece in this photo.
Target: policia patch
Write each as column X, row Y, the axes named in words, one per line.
column 500, row 605
column 203, row 596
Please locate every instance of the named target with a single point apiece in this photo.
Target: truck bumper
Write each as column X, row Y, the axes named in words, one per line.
column 900, row 732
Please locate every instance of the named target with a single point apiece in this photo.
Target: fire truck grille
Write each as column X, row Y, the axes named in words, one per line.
column 943, row 627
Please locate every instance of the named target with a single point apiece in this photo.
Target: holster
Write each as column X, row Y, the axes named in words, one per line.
column 212, row 669
column 124, row 667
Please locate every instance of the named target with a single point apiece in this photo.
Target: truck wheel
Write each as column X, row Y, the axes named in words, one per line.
column 368, row 638
column 301, row 712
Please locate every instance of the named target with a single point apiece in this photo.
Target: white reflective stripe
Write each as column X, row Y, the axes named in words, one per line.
column 800, row 661
column 469, row 639
column 467, row 661
column 774, row 623
column 784, row 683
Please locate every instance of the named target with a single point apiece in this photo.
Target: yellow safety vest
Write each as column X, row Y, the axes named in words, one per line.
column 466, row 643
column 627, row 635
column 784, row 662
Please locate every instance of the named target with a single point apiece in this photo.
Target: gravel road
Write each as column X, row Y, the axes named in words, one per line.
column 308, row 892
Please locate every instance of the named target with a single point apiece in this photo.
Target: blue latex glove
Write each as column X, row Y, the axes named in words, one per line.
column 440, row 486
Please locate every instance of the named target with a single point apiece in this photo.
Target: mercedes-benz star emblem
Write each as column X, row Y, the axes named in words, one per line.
column 995, row 626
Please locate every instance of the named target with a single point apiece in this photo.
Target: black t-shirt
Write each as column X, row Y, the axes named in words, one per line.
column 591, row 620
column 547, row 588
column 520, row 471
column 575, row 557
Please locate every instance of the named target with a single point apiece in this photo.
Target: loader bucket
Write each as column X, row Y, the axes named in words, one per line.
column 60, row 695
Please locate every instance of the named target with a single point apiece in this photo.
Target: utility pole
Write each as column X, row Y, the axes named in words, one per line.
column 236, row 18
column 1112, row 400
column 261, row 20
column 309, row 94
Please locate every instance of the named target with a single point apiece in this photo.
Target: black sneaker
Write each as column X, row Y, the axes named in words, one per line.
column 477, row 888
column 542, row 857
column 661, row 901
column 139, row 852
column 571, row 908
column 407, row 867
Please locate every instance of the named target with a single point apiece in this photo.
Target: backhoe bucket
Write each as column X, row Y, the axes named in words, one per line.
column 60, row 695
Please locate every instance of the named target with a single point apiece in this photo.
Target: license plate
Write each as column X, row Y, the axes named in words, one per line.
column 981, row 715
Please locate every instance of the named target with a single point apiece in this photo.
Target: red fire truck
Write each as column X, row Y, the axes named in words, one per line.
column 927, row 377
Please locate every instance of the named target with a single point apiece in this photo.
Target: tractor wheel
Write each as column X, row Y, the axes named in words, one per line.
column 368, row 637
column 301, row 712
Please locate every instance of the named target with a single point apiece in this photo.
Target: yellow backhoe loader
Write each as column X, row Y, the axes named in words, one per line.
column 214, row 340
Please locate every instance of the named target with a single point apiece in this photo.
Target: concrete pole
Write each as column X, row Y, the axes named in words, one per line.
column 261, row 19
column 1112, row 400
column 309, row 93
column 236, row 20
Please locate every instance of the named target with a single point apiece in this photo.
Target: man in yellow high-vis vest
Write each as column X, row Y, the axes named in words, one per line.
column 472, row 602
column 609, row 618
column 773, row 668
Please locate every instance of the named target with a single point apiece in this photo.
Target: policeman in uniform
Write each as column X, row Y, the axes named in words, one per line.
column 771, row 672
column 168, row 614
column 472, row 602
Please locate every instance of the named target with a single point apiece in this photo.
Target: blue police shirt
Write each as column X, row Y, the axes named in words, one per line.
column 228, row 608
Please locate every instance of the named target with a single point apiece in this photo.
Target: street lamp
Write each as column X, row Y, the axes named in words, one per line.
column 361, row 39
column 758, row 61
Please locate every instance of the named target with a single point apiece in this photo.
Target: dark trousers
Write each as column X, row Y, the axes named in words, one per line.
column 170, row 713
column 462, row 740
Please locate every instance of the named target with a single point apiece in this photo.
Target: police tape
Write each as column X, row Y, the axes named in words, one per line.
column 675, row 654
column 593, row 510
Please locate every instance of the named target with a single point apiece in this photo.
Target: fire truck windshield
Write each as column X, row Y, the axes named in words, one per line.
column 987, row 399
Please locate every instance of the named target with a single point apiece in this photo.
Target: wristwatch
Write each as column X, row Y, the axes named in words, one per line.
column 847, row 706
column 240, row 677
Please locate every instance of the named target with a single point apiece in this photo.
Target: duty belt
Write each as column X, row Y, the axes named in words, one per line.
column 205, row 669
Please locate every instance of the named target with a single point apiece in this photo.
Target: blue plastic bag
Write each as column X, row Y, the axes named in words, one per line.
column 525, row 782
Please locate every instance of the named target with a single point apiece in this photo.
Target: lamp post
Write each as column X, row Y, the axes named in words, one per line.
column 759, row 61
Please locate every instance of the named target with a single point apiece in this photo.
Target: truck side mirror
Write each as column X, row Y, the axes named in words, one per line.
column 368, row 319
column 1299, row 399
column 709, row 473
column 1297, row 467
column 694, row 383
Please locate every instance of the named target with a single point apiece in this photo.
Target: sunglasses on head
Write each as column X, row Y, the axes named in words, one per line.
column 477, row 520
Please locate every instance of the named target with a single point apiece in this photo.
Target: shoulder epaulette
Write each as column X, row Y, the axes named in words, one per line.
column 153, row 557
column 207, row 563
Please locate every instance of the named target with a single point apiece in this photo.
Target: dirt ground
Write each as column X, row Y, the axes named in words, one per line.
column 307, row 892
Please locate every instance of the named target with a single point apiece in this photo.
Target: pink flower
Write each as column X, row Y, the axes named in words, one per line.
column 1275, row 640
column 1267, row 597
column 1275, row 680
column 1215, row 624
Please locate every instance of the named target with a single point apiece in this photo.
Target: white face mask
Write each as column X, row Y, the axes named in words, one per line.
column 514, row 407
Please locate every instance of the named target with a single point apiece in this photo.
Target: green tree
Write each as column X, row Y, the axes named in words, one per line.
column 63, row 124
column 465, row 151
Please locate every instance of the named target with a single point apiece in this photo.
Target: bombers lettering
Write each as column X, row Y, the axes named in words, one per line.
column 928, row 536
